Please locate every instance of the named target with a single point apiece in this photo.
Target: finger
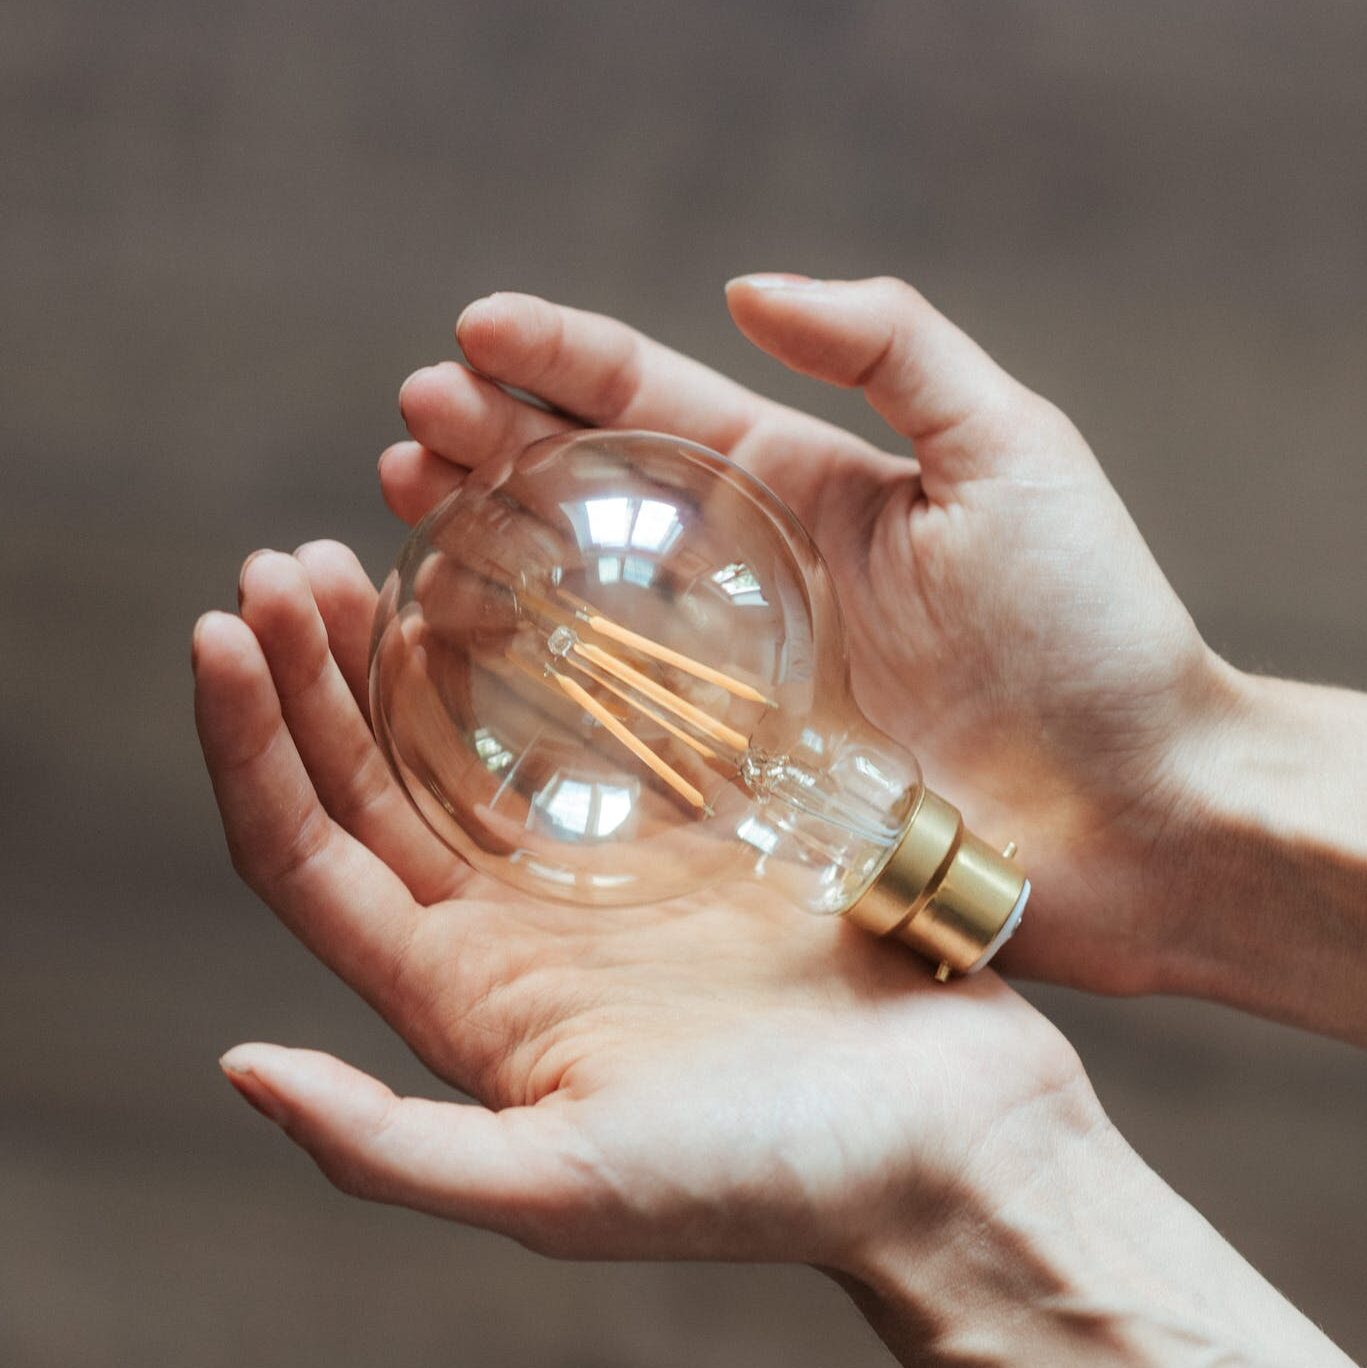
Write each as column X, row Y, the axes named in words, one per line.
column 347, row 906
column 498, row 1170
column 349, row 774
column 346, row 600
column 415, row 480
column 466, row 417
column 922, row 374
column 606, row 373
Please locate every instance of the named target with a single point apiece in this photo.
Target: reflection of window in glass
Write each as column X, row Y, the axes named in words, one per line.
column 569, row 805
column 494, row 754
column 609, row 569
column 638, row 570
column 578, row 808
column 614, row 807
column 739, row 583
column 621, row 521
column 656, row 527
column 610, row 520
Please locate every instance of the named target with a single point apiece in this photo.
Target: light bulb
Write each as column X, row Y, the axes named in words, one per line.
column 611, row 669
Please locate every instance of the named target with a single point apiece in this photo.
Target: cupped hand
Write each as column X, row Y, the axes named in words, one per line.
column 1006, row 619
column 715, row 1077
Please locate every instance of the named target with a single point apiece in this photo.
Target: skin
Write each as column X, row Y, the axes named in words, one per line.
column 1007, row 621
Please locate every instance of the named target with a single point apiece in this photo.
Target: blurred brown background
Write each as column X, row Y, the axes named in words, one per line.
column 226, row 234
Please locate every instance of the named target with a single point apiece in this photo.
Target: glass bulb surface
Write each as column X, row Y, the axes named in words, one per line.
column 611, row 669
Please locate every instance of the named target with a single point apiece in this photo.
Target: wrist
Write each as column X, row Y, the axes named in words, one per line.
column 1263, row 853
column 984, row 1277
column 1060, row 1246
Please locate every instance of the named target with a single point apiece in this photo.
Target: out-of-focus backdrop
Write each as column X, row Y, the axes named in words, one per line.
column 228, row 231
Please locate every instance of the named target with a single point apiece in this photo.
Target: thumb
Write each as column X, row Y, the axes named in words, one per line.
column 489, row 1169
column 925, row 376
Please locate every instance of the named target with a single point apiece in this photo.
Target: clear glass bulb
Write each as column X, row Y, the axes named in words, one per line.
column 611, row 669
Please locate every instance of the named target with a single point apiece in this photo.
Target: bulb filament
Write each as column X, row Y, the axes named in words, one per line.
column 634, row 744
column 657, row 693
column 606, row 627
column 637, row 690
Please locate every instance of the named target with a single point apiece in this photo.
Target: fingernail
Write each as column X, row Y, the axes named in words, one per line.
column 194, row 638
column 421, row 370
column 250, row 1086
column 774, row 280
column 242, row 574
column 465, row 312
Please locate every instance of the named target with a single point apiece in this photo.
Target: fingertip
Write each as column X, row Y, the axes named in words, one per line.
column 482, row 324
column 209, row 633
column 396, row 453
column 248, row 1068
column 332, row 568
column 414, row 479
column 328, row 559
column 196, row 633
column 768, row 281
column 413, row 390
column 470, row 317
column 501, row 329
column 240, row 1058
column 774, row 310
column 270, row 582
column 316, row 1090
column 397, row 465
column 220, row 637
column 426, row 390
column 283, row 1068
column 763, row 293
column 242, row 572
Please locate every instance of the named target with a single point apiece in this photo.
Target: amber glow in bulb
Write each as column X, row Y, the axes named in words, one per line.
column 611, row 669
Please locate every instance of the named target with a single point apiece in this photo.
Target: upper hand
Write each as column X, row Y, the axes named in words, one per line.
column 1006, row 619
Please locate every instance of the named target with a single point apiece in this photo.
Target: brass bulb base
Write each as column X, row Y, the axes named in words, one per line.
column 944, row 892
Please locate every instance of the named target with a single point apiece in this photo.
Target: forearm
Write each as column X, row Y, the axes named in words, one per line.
column 1265, row 861
column 1073, row 1251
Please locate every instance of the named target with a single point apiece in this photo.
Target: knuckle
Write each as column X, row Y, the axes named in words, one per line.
column 549, row 347
column 897, row 293
column 1056, row 428
column 371, row 783
column 240, row 861
column 305, row 844
column 348, row 1176
column 618, row 385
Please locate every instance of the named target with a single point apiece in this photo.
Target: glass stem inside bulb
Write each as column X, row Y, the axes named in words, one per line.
column 821, row 841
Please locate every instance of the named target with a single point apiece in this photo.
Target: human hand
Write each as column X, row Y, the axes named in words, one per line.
column 701, row 1079
column 705, row 1078
column 1006, row 620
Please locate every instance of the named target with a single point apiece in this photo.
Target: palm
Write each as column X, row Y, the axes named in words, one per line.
column 621, row 1048
column 644, row 1032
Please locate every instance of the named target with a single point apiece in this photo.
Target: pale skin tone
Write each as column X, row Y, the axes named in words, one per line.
column 723, row 1077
